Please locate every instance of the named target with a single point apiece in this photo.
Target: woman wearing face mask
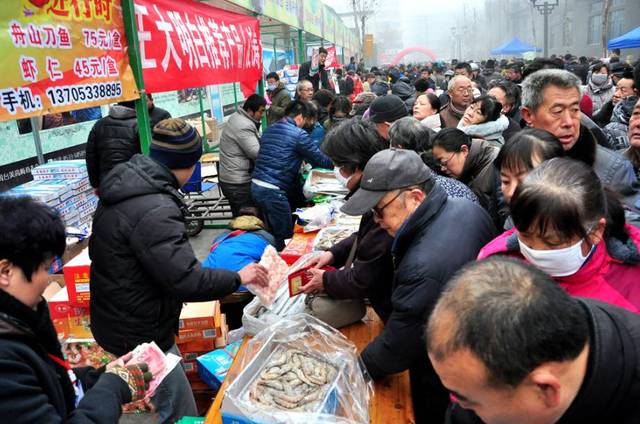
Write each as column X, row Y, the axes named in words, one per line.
column 339, row 110
column 426, row 109
column 600, row 88
column 365, row 255
column 560, row 217
column 483, row 119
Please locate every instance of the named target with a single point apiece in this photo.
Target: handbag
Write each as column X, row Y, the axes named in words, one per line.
column 337, row 312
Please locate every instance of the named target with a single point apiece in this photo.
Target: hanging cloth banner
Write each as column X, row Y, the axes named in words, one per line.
column 186, row 44
column 61, row 55
column 332, row 58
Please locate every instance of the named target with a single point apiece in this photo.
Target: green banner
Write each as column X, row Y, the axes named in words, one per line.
column 285, row 11
column 313, row 17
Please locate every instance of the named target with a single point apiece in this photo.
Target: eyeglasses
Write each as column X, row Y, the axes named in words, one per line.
column 443, row 163
column 378, row 211
column 462, row 90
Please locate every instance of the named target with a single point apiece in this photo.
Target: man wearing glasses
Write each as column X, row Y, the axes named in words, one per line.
column 460, row 91
column 433, row 237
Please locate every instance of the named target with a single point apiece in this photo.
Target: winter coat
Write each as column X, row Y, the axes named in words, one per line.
column 450, row 118
column 611, row 388
column 36, row 388
column 491, row 75
column 436, row 240
column 380, row 88
column 239, row 146
column 603, row 116
column 283, row 147
column 280, row 99
column 490, row 131
column 143, row 267
column 600, row 94
column 316, row 134
column 611, row 274
column 479, row 174
column 318, row 78
column 513, row 128
column 434, row 122
column 617, row 131
column 114, row 139
column 237, row 251
column 403, row 90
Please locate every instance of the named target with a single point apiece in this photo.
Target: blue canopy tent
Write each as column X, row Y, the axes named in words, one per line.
column 626, row 41
column 515, row 46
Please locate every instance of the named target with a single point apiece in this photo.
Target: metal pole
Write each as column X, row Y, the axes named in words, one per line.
column 301, row 52
column 261, row 91
column 142, row 111
column 546, row 29
column 36, row 139
column 204, row 125
column 275, row 55
column 235, row 97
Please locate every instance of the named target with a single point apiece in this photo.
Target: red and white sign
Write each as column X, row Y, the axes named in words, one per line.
column 185, row 44
column 332, row 58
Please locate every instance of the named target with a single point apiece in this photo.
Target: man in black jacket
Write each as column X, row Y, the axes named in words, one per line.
column 433, row 237
column 38, row 386
column 143, row 267
column 114, row 139
column 513, row 347
column 314, row 71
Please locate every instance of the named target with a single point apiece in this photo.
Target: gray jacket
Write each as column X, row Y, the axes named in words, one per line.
column 239, row 146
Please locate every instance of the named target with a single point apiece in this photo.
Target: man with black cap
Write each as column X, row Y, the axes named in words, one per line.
column 384, row 111
column 433, row 237
column 143, row 267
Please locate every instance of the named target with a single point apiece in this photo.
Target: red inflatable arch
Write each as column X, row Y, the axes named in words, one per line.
column 402, row 53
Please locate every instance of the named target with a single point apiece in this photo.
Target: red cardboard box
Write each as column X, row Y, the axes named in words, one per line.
column 76, row 277
column 185, row 336
column 203, row 345
column 200, row 316
column 300, row 245
column 69, row 320
column 300, row 278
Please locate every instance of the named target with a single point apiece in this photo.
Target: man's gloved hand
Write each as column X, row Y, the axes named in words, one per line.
column 137, row 377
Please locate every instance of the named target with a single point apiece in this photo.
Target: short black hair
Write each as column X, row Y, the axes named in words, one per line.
column 598, row 66
column 511, row 316
column 410, row 134
column 322, row 50
column 451, row 139
column 352, row 143
column 421, row 84
column 516, row 67
column 490, row 107
column 540, row 63
column 463, row 65
column 32, row 233
column 273, row 75
column 518, row 152
column 254, row 102
column 434, row 101
column 324, row 97
column 511, row 91
column 301, row 107
column 340, row 104
column 561, row 196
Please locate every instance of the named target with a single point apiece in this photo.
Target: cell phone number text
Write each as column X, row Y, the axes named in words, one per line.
column 83, row 93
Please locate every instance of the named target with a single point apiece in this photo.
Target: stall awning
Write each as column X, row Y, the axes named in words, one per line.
column 626, row 41
column 514, row 46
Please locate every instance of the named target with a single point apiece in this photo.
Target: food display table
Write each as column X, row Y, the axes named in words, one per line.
column 391, row 402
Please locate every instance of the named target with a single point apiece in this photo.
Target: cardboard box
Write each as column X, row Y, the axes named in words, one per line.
column 221, row 340
column 300, row 245
column 213, row 367
column 202, row 345
column 189, row 335
column 199, row 315
column 76, row 276
column 69, row 320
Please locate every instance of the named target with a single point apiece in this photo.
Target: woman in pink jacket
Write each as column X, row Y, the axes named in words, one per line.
column 566, row 225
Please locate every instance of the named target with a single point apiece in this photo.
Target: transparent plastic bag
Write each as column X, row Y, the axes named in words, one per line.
column 277, row 269
column 299, row 370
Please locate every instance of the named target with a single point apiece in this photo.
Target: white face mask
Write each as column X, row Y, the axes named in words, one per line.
column 557, row 262
column 272, row 87
column 344, row 181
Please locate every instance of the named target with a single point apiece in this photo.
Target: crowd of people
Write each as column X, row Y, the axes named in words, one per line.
column 497, row 241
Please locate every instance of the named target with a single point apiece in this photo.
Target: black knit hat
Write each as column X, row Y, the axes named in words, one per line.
column 175, row 144
column 387, row 109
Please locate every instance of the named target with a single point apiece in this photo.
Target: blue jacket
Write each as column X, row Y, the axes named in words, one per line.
column 316, row 134
column 283, row 147
column 235, row 253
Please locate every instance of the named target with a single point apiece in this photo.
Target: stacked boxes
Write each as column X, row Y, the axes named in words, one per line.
column 76, row 278
column 199, row 326
column 69, row 320
column 63, row 185
column 213, row 366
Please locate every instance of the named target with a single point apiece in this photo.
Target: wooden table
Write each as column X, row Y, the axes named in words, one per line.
column 391, row 402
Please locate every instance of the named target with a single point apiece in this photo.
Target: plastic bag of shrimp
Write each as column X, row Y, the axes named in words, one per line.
column 299, row 370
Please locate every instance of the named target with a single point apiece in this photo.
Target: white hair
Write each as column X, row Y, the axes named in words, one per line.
column 454, row 80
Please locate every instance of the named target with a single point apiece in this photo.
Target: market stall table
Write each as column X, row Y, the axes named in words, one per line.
column 391, row 402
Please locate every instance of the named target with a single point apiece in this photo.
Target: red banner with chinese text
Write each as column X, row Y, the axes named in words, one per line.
column 185, row 44
column 61, row 55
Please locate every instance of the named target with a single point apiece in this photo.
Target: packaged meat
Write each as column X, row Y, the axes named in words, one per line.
column 278, row 269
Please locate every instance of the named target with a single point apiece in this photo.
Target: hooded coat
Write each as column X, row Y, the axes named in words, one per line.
column 611, row 274
column 490, row 131
column 617, row 131
column 600, row 94
column 143, row 267
column 114, row 139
